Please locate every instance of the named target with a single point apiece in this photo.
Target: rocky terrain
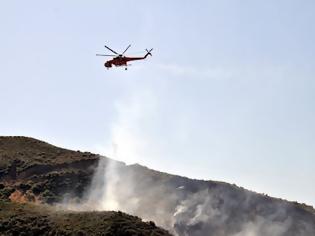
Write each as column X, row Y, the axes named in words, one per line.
column 35, row 172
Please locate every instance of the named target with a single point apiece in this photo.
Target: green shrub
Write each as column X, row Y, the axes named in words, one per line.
column 37, row 189
column 6, row 192
column 24, row 187
column 50, row 197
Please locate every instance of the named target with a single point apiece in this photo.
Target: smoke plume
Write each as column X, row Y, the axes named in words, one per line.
column 191, row 207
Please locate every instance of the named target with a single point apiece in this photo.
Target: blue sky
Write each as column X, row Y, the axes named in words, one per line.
column 228, row 94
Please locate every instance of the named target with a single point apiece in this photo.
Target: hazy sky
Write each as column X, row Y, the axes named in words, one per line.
column 228, row 94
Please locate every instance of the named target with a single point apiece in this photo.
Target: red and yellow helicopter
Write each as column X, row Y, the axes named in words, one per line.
column 120, row 59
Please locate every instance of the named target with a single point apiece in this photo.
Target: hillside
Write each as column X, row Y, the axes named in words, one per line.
column 34, row 171
column 29, row 219
column 43, row 172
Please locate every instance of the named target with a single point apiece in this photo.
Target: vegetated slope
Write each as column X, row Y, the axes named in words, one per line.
column 33, row 173
column 32, row 170
column 30, row 219
column 37, row 171
column 202, row 208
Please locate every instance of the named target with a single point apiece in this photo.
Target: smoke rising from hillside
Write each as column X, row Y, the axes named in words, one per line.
column 188, row 207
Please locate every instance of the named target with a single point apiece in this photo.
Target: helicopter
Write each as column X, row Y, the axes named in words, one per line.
column 120, row 59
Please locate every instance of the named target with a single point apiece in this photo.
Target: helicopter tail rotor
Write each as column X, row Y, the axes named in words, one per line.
column 149, row 52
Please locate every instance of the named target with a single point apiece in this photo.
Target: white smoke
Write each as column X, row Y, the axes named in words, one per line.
column 102, row 195
column 183, row 206
column 262, row 226
column 128, row 139
column 116, row 186
column 188, row 207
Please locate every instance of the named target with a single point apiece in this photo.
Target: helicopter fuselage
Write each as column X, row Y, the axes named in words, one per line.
column 122, row 60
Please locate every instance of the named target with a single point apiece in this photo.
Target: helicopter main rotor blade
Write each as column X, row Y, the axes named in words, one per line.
column 105, row 55
column 111, row 49
column 126, row 49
